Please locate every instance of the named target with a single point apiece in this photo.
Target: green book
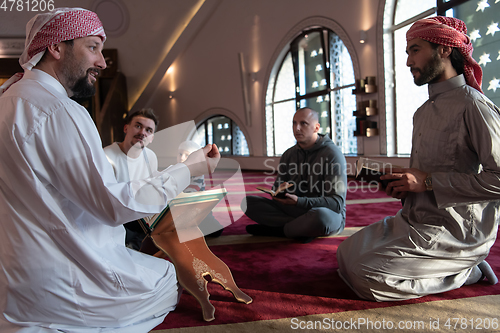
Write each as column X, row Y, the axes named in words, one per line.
column 186, row 202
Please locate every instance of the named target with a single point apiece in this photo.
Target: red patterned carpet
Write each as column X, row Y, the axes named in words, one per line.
column 289, row 279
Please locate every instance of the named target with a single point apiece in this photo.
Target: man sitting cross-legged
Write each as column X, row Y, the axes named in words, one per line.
column 314, row 205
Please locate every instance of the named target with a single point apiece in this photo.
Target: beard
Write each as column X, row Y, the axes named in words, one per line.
column 76, row 77
column 431, row 72
column 139, row 145
column 82, row 88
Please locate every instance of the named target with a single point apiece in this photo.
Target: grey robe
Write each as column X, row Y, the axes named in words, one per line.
column 431, row 245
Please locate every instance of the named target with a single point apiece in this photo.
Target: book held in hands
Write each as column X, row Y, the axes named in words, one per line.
column 369, row 170
column 280, row 191
column 187, row 209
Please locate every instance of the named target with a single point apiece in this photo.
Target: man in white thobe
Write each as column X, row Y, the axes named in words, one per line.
column 449, row 221
column 64, row 264
column 132, row 160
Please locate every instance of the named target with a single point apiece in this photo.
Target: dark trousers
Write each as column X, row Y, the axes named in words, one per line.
column 297, row 222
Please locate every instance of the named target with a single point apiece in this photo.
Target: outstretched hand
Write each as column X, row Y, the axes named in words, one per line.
column 203, row 161
column 404, row 180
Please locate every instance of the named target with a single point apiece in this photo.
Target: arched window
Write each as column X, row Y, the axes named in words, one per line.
column 225, row 133
column 316, row 71
column 403, row 97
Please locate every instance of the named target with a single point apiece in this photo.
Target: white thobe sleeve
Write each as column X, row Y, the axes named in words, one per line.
column 66, row 154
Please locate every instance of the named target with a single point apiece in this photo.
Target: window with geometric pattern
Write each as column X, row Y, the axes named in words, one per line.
column 403, row 97
column 316, row 72
column 225, row 133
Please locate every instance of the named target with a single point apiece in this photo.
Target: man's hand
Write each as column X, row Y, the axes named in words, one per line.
column 290, row 199
column 203, row 161
column 405, row 180
column 213, row 156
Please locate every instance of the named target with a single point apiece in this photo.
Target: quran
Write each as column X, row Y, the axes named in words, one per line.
column 186, row 204
column 369, row 170
column 280, row 191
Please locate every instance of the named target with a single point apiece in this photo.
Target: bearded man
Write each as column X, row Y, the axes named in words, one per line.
column 448, row 223
column 64, row 264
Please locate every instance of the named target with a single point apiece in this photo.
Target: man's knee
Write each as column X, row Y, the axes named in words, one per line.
column 328, row 221
column 251, row 203
column 352, row 272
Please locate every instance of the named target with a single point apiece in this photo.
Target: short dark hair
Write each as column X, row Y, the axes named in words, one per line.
column 456, row 58
column 70, row 42
column 146, row 113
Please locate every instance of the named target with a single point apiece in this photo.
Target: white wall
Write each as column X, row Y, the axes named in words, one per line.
column 206, row 78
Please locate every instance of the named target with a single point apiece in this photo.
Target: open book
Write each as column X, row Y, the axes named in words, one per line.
column 280, row 191
column 368, row 170
column 187, row 204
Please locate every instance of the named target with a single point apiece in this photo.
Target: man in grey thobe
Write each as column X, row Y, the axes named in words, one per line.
column 439, row 240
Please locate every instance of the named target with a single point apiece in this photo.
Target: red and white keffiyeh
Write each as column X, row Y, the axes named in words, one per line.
column 451, row 32
column 54, row 27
